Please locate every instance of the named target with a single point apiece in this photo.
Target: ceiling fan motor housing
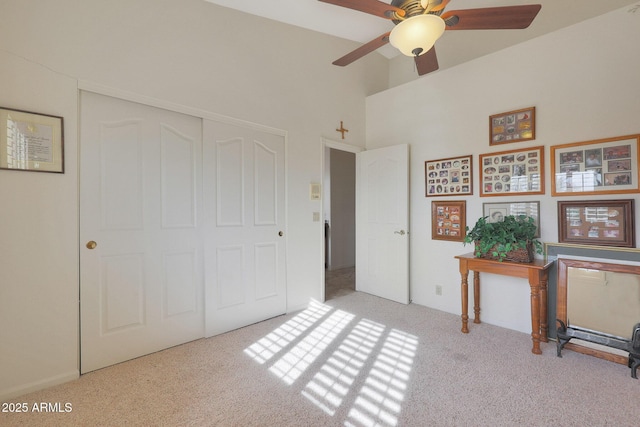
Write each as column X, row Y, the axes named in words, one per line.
column 411, row 8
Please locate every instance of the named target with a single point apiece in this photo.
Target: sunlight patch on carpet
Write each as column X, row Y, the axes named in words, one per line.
column 290, row 366
column 270, row 345
column 333, row 382
column 369, row 356
column 379, row 402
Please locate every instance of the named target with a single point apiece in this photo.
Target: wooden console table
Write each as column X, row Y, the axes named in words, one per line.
column 538, row 274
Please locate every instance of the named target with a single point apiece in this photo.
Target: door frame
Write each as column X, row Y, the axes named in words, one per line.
column 328, row 143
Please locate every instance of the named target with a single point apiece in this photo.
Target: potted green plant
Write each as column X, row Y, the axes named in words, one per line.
column 512, row 239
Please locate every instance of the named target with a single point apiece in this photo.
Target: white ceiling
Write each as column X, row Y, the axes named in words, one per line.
column 453, row 48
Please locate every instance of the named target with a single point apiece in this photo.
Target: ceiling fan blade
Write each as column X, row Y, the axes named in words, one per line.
column 427, row 62
column 492, row 18
column 374, row 7
column 363, row 50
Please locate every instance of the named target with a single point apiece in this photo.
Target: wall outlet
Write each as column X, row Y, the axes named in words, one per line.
column 438, row 290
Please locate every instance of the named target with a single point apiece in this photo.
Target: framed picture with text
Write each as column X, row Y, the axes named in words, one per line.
column 31, row 141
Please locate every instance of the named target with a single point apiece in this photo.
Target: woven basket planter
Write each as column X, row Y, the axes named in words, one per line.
column 518, row 255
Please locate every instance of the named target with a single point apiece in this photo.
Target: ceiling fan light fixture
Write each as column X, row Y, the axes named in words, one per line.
column 417, row 35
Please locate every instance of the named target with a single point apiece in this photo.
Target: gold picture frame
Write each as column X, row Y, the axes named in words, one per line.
column 31, row 141
column 512, row 126
column 601, row 166
column 510, row 173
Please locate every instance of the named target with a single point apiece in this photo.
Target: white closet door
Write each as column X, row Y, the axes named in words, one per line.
column 141, row 284
column 245, row 241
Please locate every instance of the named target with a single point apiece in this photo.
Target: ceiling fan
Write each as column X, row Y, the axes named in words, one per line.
column 419, row 23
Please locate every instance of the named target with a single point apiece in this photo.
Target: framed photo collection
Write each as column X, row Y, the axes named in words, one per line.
column 515, row 172
column 604, row 166
column 449, row 177
column 512, row 126
column 597, row 222
column 448, row 220
column 599, row 167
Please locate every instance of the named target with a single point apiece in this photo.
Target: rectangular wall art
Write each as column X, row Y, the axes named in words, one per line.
column 597, row 222
column 515, row 172
column 603, row 166
column 31, row 141
column 448, row 220
column 512, row 126
column 449, row 177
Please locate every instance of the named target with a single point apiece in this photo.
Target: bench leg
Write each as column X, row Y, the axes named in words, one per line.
column 634, row 363
column 561, row 340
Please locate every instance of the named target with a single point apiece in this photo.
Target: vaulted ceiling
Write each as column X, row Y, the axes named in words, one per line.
column 453, row 48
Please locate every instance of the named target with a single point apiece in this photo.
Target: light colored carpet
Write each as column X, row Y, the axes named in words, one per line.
column 339, row 282
column 356, row 360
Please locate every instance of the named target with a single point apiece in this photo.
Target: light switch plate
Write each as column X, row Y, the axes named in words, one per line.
column 314, row 191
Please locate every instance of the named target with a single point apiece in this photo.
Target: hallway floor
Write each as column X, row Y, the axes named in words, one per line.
column 339, row 282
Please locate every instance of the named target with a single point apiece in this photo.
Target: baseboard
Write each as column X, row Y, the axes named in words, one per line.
column 7, row 394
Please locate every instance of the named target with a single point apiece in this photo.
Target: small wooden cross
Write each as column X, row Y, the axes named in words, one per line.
column 342, row 130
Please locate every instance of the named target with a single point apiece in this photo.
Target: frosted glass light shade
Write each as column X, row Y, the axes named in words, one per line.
column 418, row 32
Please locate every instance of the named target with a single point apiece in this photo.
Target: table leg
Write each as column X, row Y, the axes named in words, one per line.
column 464, row 288
column 476, row 296
column 535, row 317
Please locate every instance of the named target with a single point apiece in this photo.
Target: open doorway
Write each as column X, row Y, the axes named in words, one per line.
column 339, row 183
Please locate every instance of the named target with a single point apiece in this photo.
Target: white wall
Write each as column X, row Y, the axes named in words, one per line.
column 583, row 81
column 186, row 52
column 38, row 243
column 343, row 209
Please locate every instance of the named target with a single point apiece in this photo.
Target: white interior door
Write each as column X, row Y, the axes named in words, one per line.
column 382, row 222
column 141, row 285
column 245, row 242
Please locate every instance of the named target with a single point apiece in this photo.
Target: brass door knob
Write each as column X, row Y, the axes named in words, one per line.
column 91, row 244
column 280, row 233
